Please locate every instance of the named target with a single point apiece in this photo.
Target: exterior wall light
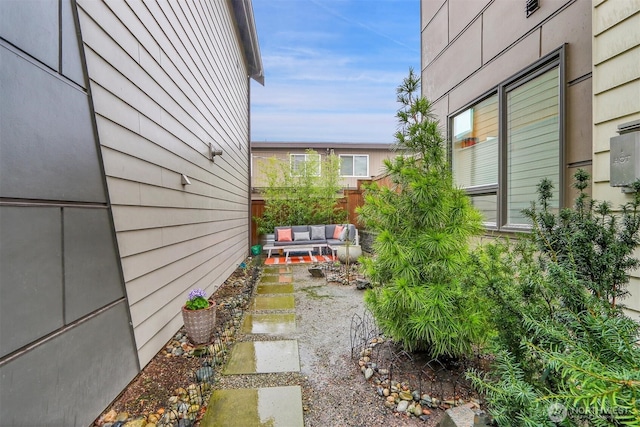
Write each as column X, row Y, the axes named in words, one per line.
column 213, row 152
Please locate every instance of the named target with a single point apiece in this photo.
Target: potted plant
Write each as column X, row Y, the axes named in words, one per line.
column 348, row 253
column 199, row 316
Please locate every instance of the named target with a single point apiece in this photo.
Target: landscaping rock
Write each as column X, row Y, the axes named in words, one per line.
column 402, row 406
column 362, row 283
column 368, row 373
column 316, row 271
column 461, row 416
column 405, row 395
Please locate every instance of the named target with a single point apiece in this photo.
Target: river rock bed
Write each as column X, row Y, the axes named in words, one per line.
column 399, row 396
column 173, row 389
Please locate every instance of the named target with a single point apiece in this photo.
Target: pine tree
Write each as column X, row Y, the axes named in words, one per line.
column 423, row 225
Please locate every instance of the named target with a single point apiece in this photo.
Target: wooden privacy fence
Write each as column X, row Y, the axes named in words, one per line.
column 257, row 209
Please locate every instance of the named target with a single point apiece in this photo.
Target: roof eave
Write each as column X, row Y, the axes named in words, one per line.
column 243, row 11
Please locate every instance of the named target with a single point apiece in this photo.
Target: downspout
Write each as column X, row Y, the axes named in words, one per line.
column 249, row 205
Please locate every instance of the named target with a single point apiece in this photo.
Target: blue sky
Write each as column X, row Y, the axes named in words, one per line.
column 332, row 68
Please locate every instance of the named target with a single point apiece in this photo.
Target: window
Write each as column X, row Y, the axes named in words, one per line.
column 299, row 163
column 502, row 145
column 475, row 154
column 475, row 144
column 354, row 165
column 533, row 141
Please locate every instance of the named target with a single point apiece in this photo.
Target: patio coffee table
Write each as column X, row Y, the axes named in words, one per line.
column 288, row 249
column 294, row 248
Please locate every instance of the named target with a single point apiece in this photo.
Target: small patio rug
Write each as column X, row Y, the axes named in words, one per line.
column 295, row 259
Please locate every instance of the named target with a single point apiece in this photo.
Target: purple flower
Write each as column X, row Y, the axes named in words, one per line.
column 197, row 293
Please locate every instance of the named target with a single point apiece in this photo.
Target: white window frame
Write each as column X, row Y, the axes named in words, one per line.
column 499, row 191
column 353, row 165
column 306, row 158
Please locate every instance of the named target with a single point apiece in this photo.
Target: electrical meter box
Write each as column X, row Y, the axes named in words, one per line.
column 625, row 159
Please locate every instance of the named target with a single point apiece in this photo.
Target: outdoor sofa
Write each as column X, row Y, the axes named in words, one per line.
column 313, row 237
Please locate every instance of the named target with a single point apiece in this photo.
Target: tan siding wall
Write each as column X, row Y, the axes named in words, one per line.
column 260, row 156
column 616, row 97
column 376, row 162
column 167, row 78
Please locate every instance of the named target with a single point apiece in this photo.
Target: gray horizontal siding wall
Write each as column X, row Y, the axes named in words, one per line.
column 168, row 78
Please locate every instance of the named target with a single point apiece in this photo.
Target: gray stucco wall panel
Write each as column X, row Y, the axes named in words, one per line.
column 429, row 9
column 48, row 149
column 32, row 26
column 66, row 343
column 503, row 24
column 70, row 388
column 92, row 278
column 437, row 33
column 31, row 275
column 71, row 66
column 461, row 13
column 491, row 74
column 572, row 27
column 441, row 75
column 578, row 124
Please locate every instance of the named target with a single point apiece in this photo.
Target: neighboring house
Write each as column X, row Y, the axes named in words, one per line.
column 111, row 205
column 358, row 161
column 531, row 89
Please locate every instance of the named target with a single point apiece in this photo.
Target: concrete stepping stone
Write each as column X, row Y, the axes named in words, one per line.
column 277, row 270
column 274, row 289
column 263, row 357
column 269, row 323
column 273, row 302
column 270, row 406
column 276, row 279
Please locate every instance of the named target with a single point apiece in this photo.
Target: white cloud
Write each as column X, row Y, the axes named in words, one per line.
column 339, row 97
column 324, row 127
column 332, row 68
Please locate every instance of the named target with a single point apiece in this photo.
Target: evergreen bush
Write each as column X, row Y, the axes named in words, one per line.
column 423, row 225
column 566, row 354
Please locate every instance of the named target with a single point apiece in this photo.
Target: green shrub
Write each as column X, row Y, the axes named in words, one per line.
column 423, row 225
column 303, row 197
column 565, row 352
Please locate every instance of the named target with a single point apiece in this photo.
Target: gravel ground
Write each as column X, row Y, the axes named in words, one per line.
column 338, row 394
column 335, row 392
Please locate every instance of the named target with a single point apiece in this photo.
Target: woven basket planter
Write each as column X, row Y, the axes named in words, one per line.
column 200, row 324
